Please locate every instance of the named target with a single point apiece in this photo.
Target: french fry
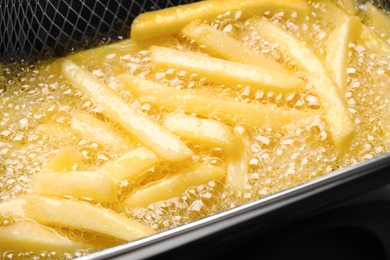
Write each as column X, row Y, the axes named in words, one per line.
column 12, row 208
column 83, row 216
column 236, row 173
column 205, row 105
column 175, row 185
column 237, row 166
column 66, row 158
column 330, row 12
column 332, row 102
column 172, row 20
column 223, row 45
column 100, row 54
column 31, row 236
column 94, row 129
column 373, row 42
column 213, row 133
column 161, row 141
column 337, row 49
column 216, row 134
column 205, row 131
column 227, row 72
column 53, row 130
column 89, row 185
column 130, row 165
column 349, row 6
column 377, row 19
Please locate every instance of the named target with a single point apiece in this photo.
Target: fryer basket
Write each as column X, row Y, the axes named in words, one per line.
column 38, row 29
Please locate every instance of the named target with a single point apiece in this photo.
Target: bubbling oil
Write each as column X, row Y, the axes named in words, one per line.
column 37, row 94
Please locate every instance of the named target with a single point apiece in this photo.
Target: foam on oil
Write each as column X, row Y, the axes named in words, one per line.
column 37, row 94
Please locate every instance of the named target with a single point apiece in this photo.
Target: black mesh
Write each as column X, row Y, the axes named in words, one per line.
column 31, row 29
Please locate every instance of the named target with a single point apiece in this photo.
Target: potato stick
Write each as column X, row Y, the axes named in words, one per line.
column 130, row 165
column 205, row 131
column 12, row 208
column 330, row 12
column 223, row 45
column 349, row 6
column 83, row 216
column 205, row 105
column 161, row 141
column 31, row 236
column 213, row 133
column 377, row 19
column 369, row 38
column 105, row 52
column 337, row 49
column 89, row 185
column 332, row 101
column 258, row 7
column 66, row 158
column 94, row 129
column 172, row 20
column 53, row 130
column 227, row 72
column 175, row 185
column 373, row 42
column 237, row 166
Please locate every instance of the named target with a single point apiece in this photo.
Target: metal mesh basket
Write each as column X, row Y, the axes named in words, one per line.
column 31, row 29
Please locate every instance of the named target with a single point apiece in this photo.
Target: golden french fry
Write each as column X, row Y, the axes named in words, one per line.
column 205, row 131
column 236, row 173
column 66, row 158
column 213, row 133
column 175, row 185
column 31, row 236
column 332, row 101
column 53, row 130
column 84, row 216
column 161, row 141
column 223, row 45
column 227, row 72
column 12, row 208
column 373, row 42
column 94, row 129
column 172, row 20
column 205, row 105
column 377, row 19
column 349, row 6
column 130, row 165
column 237, row 166
column 102, row 53
column 337, row 49
column 89, row 185
column 330, row 12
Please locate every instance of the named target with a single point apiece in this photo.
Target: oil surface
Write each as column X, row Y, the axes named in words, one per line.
column 32, row 95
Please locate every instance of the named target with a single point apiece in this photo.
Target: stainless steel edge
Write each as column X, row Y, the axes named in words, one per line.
column 170, row 239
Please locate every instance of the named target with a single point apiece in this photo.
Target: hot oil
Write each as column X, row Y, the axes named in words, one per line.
column 37, row 94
